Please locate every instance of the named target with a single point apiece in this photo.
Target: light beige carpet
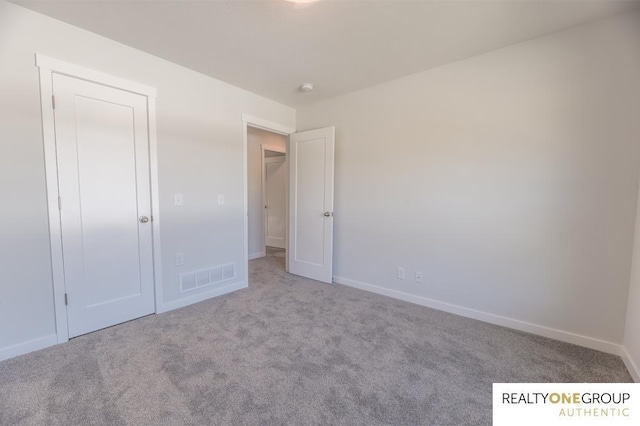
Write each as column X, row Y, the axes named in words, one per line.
column 288, row 351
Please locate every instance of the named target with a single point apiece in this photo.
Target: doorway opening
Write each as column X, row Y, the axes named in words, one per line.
column 267, row 195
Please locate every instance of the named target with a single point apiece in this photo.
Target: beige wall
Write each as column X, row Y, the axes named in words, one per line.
column 509, row 179
column 199, row 128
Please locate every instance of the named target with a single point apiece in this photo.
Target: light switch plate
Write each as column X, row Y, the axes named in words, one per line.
column 177, row 199
column 221, row 200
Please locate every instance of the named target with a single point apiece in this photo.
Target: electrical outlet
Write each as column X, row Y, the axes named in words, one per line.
column 419, row 277
column 179, row 259
column 401, row 273
column 177, row 199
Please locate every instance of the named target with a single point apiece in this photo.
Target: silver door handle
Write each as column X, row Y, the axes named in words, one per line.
column 143, row 219
column 327, row 214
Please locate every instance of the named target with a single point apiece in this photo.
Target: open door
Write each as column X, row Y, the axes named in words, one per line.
column 310, row 251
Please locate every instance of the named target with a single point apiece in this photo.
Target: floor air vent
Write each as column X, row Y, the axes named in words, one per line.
column 204, row 277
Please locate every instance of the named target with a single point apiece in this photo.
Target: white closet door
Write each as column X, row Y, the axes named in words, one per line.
column 102, row 147
column 311, row 204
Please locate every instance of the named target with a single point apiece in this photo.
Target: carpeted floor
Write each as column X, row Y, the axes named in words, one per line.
column 288, row 351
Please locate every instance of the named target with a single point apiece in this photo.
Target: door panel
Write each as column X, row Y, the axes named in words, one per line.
column 275, row 196
column 103, row 171
column 311, row 159
column 310, row 201
column 106, row 168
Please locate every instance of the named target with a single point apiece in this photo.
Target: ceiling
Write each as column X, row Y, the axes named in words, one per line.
column 270, row 47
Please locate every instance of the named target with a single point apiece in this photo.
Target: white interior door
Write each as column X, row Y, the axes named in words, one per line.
column 275, row 197
column 102, row 147
column 311, row 204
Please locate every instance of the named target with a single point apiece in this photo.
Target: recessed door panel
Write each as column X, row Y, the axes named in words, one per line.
column 108, row 200
column 310, row 222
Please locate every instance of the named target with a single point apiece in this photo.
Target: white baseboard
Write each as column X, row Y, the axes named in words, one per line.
column 28, row 346
column 275, row 242
column 257, row 255
column 214, row 292
column 565, row 336
column 630, row 364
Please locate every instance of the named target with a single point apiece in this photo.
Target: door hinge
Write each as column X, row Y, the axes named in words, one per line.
column 53, row 101
column 59, row 203
column 66, row 299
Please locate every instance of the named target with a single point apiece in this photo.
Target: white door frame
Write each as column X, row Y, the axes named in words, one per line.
column 47, row 67
column 259, row 123
column 263, row 175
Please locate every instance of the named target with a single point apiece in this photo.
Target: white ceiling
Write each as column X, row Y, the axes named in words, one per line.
column 270, row 47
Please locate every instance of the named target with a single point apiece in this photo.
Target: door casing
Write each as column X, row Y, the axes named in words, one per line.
column 47, row 67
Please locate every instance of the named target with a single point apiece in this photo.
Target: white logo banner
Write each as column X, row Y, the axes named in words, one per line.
column 551, row 404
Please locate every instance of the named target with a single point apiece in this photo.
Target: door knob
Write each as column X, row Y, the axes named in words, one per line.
column 143, row 219
column 327, row 214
